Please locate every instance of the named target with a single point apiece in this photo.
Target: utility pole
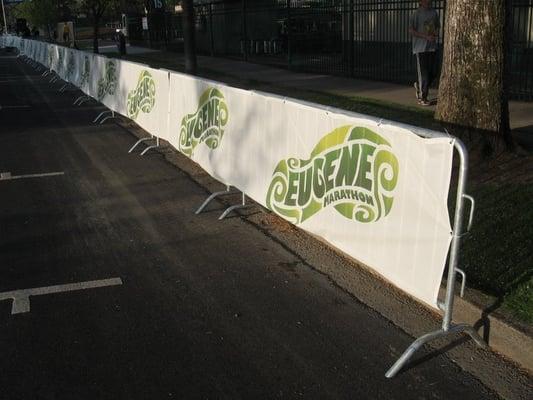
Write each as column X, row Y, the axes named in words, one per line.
column 5, row 20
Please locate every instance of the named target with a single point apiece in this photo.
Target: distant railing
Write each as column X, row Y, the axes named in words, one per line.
column 366, row 39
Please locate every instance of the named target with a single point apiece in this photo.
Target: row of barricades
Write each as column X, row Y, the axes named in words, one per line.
column 375, row 189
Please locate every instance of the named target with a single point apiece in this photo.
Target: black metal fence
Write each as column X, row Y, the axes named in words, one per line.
column 366, row 39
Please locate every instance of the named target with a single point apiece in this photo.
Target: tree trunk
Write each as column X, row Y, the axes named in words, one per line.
column 188, row 37
column 96, row 31
column 473, row 90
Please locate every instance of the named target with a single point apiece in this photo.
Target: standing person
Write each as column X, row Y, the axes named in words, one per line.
column 121, row 42
column 424, row 28
column 66, row 33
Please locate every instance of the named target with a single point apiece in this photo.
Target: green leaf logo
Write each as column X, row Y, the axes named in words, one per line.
column 50, row 56
column 108, row 83
column 142, row 98
column 206, row 124
column 71, row 65
column 86, row 73
column 60, row 57
column 352, row 169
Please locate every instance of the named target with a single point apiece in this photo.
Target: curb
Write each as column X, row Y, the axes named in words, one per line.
column 501, row 336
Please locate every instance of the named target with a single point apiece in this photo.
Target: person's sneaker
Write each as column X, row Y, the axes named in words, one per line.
column 417, row 91
column 425, row 103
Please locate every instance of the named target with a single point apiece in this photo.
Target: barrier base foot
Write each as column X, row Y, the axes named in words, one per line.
column 102, row 114
column 154, row 146
column 106, row 118
column 212, row 197
column 78, row 99
column 138, row 142
column 428, row 337
column 232, row 208
column 84, row 99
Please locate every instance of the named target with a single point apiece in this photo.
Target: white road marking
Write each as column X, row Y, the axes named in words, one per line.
column 21, row 298
column 6, row 176
column 13, row 107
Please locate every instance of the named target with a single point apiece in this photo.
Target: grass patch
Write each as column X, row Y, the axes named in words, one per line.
column 497, row 255
column 520, row 302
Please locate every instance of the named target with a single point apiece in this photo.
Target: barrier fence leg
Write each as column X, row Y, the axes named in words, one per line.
column 428, row 337
column 84, row 99
column 101, row 115
column 447, row 327
column 213, row 196
column 236, row 207
column 138, row 142
column 108, row 117
column 78, row 100
column 151, row 147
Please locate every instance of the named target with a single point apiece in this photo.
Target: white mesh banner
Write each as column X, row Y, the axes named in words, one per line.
column 376, row 191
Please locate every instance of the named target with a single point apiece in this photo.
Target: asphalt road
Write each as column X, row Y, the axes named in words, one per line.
column 207, row 309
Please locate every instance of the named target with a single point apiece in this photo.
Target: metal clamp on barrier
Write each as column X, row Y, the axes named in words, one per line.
column 447, row 307
column 213, row 196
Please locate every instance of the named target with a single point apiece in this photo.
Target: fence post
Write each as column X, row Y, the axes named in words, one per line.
column 288, row 27
column 352, row 38
column 211, row 29
column 244, row 32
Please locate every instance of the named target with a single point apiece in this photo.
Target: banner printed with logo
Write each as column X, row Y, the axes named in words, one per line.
column 201, row 113
column 377, row 192
column 142, row 96
column 53, row 58
column 71, row 66
column 103, row 85
column 85, row 63
column 43, row 54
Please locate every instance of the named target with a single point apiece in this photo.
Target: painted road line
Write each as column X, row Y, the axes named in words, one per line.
column 6, row 176
column 12, row 107
column 21, row 298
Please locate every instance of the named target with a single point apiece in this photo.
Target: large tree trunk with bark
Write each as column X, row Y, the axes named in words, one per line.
column 473, row 90
column 188, row 36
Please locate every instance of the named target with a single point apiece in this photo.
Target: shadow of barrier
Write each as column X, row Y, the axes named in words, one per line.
column 376, row 189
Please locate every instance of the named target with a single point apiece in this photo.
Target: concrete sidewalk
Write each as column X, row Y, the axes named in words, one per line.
column 521, row 111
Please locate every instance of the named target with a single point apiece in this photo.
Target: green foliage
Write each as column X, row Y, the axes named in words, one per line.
column 520, row 302
column 39, row 12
